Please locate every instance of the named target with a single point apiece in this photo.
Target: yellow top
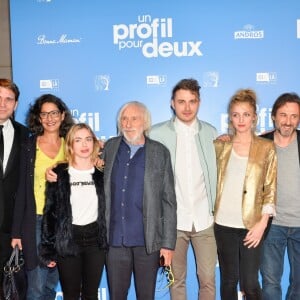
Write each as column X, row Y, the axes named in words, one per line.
column 42, row 162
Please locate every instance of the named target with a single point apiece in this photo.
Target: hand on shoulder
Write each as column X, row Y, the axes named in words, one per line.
column 224, row 137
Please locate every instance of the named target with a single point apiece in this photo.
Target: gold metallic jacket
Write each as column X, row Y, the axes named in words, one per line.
column 260, row 179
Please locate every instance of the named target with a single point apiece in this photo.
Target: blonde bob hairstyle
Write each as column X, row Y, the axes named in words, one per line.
column 69, row 153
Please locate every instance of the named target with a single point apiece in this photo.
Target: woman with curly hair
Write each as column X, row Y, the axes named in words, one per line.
column 49, row 120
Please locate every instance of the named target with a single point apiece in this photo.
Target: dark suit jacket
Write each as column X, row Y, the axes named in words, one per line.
column 270, row 136
column 24, row 220
column 159, row 200
column 10, row 179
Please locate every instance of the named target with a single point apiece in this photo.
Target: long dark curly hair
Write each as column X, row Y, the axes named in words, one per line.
column 33, row 117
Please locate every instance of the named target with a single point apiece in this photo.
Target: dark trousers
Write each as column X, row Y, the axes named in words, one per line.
column 5, row 252
column 237, row 264
column 122, row 262
column 81, row 274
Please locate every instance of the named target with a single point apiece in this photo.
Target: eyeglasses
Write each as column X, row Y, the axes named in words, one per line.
column 169, row 274
column 52, row 114
column 166, row 272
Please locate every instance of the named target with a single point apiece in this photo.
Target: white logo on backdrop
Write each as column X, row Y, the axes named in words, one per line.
column 90, row 118
column 42, row 39
column 266, row 77
column 156, row 79
column 211, row 79
column 154, row 37
column 102, row 82
column 264, row 120
column 49, row 84
column 249, row 33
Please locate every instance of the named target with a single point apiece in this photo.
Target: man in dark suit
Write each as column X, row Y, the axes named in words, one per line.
column 12, row 136
column 140, row 205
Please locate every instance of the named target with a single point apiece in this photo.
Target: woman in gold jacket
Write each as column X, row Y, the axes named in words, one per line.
column 246, row 194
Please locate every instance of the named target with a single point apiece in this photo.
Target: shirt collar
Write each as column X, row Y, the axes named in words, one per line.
column 7, row 125
column 184, row 128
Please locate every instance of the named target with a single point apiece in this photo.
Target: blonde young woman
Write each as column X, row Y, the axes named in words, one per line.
column 246, row 192
column 73, row 228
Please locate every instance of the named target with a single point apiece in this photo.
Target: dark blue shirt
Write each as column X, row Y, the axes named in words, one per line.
column 127, row 189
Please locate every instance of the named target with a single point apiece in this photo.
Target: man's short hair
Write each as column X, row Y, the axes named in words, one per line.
column 8, row 84
column 283, row 99
column 187, row 84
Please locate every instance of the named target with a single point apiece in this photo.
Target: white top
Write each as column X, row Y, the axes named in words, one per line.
column 8, row 138
column 230, row 209
column 191, row 195
column 84, row 200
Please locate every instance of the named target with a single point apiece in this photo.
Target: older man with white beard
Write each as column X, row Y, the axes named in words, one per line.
column 140, row 205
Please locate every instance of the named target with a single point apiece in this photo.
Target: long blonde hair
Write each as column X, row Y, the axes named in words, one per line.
column 69, row 153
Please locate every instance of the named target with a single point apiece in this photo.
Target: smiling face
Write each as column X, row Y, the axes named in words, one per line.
column 8, row 104
column 185, row 105
column 50, row 117
column 242, row 117
column 287, row 118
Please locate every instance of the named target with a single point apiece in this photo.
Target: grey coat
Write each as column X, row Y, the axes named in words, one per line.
column 159, row 200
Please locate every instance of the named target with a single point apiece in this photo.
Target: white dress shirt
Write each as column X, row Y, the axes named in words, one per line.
column 191, row 195
column 8, row 137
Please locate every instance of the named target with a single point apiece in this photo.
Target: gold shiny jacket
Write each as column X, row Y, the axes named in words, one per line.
column 260, row 180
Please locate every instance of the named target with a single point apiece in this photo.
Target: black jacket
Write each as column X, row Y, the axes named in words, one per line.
column 57, row 236
column 270, row 136
column 24, row 220
column 10, row 179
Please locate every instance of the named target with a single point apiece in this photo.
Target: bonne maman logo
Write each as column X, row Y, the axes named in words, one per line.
column 42, row 39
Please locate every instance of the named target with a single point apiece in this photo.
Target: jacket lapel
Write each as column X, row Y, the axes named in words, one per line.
column 15, row 149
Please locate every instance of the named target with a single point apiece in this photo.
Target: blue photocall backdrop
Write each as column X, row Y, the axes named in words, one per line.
column 96, row 55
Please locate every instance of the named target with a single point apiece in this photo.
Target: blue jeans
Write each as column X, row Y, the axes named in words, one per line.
column 42, row 281
column 277, row 241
